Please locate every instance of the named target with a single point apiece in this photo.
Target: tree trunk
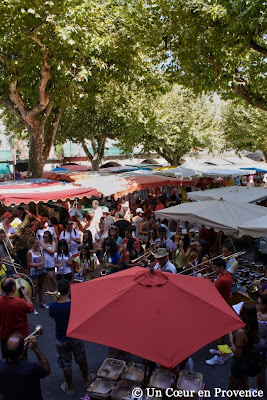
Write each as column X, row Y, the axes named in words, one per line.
column 36, row 159
column 265, row 155
column 98, row 149
column 175, row 160
column 95, row 164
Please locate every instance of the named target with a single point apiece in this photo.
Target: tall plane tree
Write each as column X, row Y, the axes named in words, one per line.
column 174, row 123
column 216, row 45
column 47, row 50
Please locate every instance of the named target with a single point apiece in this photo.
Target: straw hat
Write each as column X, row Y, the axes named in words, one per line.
column 160, row 253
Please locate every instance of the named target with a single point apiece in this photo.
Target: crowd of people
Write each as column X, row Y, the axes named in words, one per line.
column 59, row 250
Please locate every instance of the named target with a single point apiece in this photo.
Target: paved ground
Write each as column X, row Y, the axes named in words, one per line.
column 213, row 376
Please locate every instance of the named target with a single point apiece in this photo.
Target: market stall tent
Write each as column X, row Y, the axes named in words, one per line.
column 36, row 190
column 118, row 184
column 243, row 194
column 193, row 169
column 255, row 228
column 221, row 215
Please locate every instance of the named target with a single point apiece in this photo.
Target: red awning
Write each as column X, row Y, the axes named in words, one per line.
column 147, row 181
column 36, row 190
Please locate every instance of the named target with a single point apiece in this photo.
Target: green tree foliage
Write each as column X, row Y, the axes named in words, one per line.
column 49, row 49
column 176, row 122
column 105, row 116
column 216, row 45
column 244, row 127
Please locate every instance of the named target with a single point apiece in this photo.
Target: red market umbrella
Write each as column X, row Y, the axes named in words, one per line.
column 159, row 316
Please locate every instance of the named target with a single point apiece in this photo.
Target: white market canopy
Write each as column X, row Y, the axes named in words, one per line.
column 255, row 228
column 195, row 169
column 221, row 215
column 238, row 194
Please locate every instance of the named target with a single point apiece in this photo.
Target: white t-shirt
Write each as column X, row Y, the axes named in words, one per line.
column 70, row 235
column 11, row 230
column 49, row 258
column 98, row 215
column 62, row 259
column 36, row 259
column 40, row 233
column 99, row 237
column 169, row 267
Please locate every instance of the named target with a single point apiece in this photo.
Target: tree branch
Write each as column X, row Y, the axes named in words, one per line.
column 101, row 146
column 16, row 98
column 244, row 93
column 209, row 57
column 255, row 46
column 164, row 155
column 11, row 107
column 44, row 97
column 38, row 41
column 51, row 130
column 93, row 144
column 86, row 150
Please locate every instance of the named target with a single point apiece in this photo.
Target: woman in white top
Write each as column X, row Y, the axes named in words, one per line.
column 49, row 248
column 100, row 236
column 44, row 227
column 36, row 263
column 63, row 261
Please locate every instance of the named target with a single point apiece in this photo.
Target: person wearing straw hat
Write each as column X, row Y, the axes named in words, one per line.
column 164, row 263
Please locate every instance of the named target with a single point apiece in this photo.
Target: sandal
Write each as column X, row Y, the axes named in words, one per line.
column 92, row 378
column 64, row 388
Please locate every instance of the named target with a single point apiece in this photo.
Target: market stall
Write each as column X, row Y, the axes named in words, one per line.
column 221, row 215
column 36, row 190
column 238, row 194
column 119, row 184
column 254, row 228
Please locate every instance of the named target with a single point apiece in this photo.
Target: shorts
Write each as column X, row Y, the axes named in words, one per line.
column 38, row 276
column 64, row 276
column 50, row 269
column 66, row 349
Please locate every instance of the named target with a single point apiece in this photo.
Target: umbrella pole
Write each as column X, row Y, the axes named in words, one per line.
column 145, row 375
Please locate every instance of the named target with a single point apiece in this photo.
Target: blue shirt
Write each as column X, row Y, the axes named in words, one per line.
column 60, row 312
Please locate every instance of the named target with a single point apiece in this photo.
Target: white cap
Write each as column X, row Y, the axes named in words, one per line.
column 105, row 210
column 139, row 210
column 184, row 231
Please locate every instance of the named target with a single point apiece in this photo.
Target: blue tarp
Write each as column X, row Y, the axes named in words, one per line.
column 4, row 169
column 256, row 169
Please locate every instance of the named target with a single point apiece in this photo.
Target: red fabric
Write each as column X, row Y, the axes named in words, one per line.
column 159, row 316
column 159, row 207
column 9, row 196
column 224, row 285
column 76, row 167
column 67, row 176
column 13, row 316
